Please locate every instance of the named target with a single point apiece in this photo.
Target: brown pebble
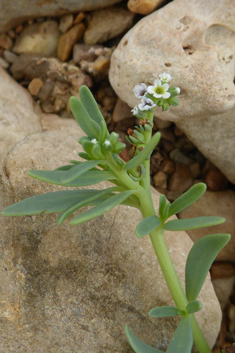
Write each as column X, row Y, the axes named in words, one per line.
column 181, row 179
column 155, row 162
column 79, row 17
column 6, row 42
column 178, row 132
column 35, row 86
column 109, row 102
column 215, row 180
column 67, row 41
column 11, row 34
column 160, row 179
column 101, row 64
column 66, row 22
column 19, row 29
column 46, row 91
column 222, row 269
column 59, row 105
column 168, row 166
column 168, row 135
column 48, row 107
column 124, row 155
column 229, row 349
column 195, row 170
column 222, row 334
column 168, row 147
column 231, row 318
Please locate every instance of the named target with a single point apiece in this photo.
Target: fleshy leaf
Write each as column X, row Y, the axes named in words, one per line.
column 147, row 225
column 199, row 261
column 49, row 202
column 189, row 197
column 81, row 203
column 92, row 108
column 139, row 346
column 78, row 170
column 162, row 203
column 102, row 207
column 144, row 154
column 165, row 311
column 88, row 125
column 182, row 340
column 87, row 178
column 192, row 223
column 193, row 307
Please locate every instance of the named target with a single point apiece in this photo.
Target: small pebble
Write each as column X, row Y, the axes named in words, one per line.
column 168, row 166
column 67, row 41
column 4, row 63
column 143, row 7
column 195, row 170
column 9, row 56
column 160, row 179
column 11, row 34
column 161, row 124
column 124, row 155
column 35, row 86
column 178, row 157
column 231, row 318
column 167, row 134
column 66, row 22
column 48, row 107
column 6, row 42
column 101, row 64
column 222, row 269
column 83, row 52
column 59, row 105
column 109, row 102
column 177, row 131
column 19, row 29
column 181, row 179
column 46, row 91
column 79, row 17
column 215, row 180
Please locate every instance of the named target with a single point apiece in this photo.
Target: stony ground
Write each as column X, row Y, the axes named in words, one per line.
column 53, row 57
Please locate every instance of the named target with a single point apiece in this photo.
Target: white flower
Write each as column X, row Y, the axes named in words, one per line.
column 177, row 89
column 146, row 104
column 140, row 90
column 94, row 141
column 165, row 77
column 135, row 110
column 107, row 143
column 159, row 90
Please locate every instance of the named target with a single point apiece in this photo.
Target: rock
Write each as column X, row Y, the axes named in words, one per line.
column 84, row 52
column 220, row 203
column 168, row 166
column 39, row 38
column 181, row 179
column 195, row 170
column 231, row 317
column 178, row 157
column 9, row 56
column 67, row 41
column 214, row 137
column 99, row 67
column 66, row 22
column 5, row 41
column 16, row 12
column 80, row 16
column 35, row 86
column 4, row 63
column 215, row 180
column 121, row 111
column 222, row 269
column 190, row 41
column 106, row 24
column 161, row 124
column 160, row 179
column 223, row 288
column 143, row 7
column 62, row 284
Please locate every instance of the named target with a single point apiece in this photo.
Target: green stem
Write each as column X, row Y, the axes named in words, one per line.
column 198, row 337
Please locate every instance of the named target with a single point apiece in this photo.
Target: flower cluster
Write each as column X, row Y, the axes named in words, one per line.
column 160, row 94
column 96, row 150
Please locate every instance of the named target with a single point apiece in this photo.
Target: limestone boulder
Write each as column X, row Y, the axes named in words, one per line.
column 73, row 289
column 191, row 40
column 14, row 12
column 214, row 137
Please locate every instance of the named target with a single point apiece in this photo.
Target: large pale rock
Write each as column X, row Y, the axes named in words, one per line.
column 214, row 137
column 215, row 203
column 73, row 288
column 14, row 12
column 191, row 40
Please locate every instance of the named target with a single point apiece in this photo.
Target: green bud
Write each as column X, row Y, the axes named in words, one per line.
column 96, row 152
column 147, row 127
column 113, row 138
column 133, row 140
column 83, row 138
column 85, row 156
column 87, row 146
column 140, row 136
column 107, row 146
column 165, row 106
column 119, row 147
column 174, row 101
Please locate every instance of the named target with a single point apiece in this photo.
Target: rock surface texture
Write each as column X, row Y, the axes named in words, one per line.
column 14, row 12
column 72, row 289
column 192, row 41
